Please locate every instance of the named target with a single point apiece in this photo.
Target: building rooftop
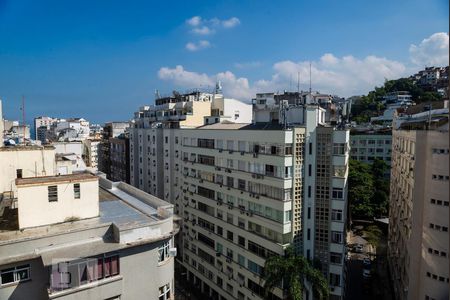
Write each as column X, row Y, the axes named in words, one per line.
column 240, row 126
column 26, row 148
column 85, row 176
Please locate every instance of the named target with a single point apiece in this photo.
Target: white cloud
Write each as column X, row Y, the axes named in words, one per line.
column 194, row 21
column 432, row 51
column 235, row 87
column 200, row 45
column 345, row 76
column 231, row 22
column 201, row 25
column 180, row 77
column 329, row 59
column 204, row 30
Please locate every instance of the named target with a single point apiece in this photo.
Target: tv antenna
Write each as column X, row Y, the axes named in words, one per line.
column 310, row 77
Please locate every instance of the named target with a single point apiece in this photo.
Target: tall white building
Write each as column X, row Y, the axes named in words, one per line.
column 246, row 191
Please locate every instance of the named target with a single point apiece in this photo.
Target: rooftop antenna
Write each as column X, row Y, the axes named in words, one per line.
column 298, row 82
column 290, row 82
column 157, row 95
column 310, row 77
column 23, row 116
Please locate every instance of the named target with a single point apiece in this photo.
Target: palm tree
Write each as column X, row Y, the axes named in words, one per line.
column 294, row 270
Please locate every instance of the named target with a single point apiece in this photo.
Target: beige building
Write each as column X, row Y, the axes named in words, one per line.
column 51, row 199
column 90, row 238
column 418, row 249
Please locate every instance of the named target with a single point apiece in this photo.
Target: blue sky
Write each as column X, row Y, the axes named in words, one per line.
column 102, row 59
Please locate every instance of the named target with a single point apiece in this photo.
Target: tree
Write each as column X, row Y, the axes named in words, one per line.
column 293, row 271
column 368, row 191
column 360, row 190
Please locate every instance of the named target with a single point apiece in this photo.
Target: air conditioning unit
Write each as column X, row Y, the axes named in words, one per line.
column 173, row 252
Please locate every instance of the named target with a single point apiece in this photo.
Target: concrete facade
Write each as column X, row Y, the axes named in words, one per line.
column 244, row 191
column 71, row 198
column 368, row 147
column 24, row 161
column 418, row 248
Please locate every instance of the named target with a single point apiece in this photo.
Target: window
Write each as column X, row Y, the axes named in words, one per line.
column 76, row 191
column 219, row 144
column 242, row 146
column 254, row 267
column 336, row 215
column 230, row 145
column 336, row 237
column 338, row 193
column 230, row 181
column 230, row 218
column 53, row 193
column 230, row 235
column 241, row 241
column 164, row 292
column 339, row 148
column 241, row 184
column 335, row 258
column 241, row 260
column 206, row 160
column 15, row 274
column 241, row 223
column 19, row 173
column 309, row 170
column 67, row 275
column 335, row 279
column 163, row 251
column 205, row 143
column 309, row 191
column 205, row 240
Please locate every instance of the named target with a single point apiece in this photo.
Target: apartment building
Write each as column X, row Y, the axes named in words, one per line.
column 368, row 146
column 246, row 191
column 418, row 247
column 119, row 156
column 80, row 236
column 42, row 125
column 113, row 152
column 91, row 149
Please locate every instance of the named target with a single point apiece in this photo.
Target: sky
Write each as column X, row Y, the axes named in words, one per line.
column 101, row 60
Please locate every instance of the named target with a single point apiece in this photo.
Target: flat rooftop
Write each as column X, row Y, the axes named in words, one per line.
column 243, row 126
column 56, row 179
column 26, row 148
